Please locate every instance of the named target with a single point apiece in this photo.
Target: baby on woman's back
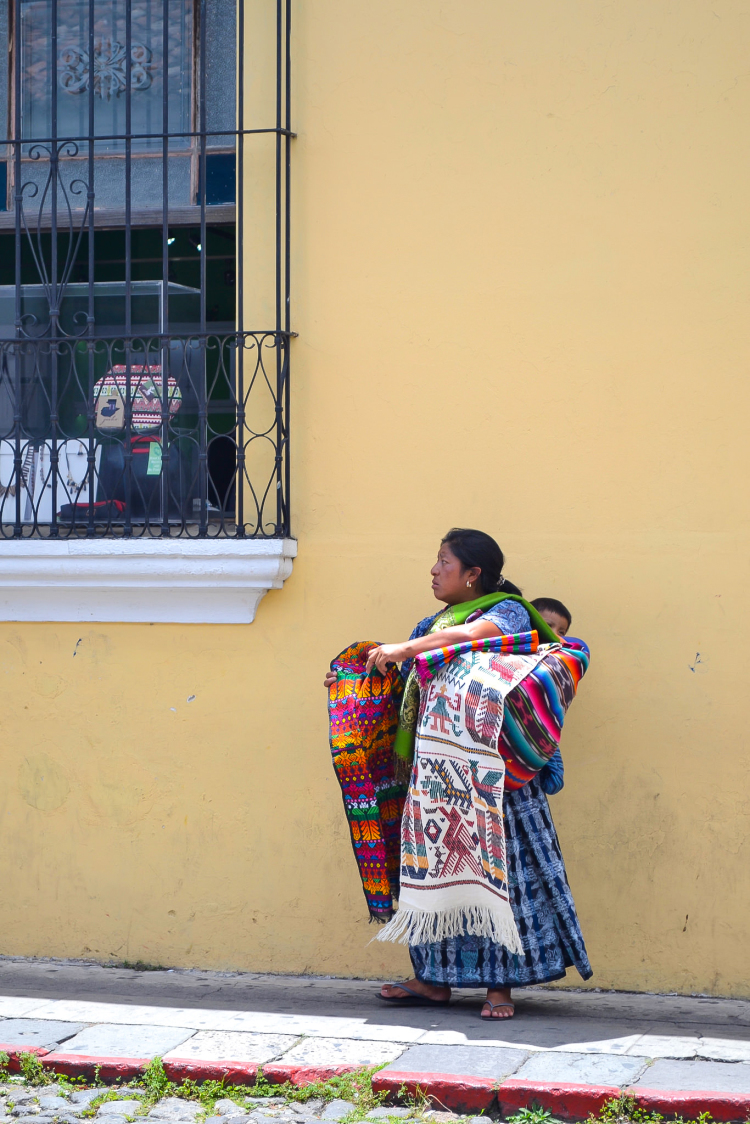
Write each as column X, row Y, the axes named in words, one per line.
column 554, row 613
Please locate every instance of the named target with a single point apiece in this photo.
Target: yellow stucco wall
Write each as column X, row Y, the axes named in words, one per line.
column 521, row 289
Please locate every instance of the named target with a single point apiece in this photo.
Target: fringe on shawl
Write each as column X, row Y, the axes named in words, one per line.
column 418, row 926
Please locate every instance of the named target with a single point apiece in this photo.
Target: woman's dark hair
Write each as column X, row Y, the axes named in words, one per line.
column 474, row 548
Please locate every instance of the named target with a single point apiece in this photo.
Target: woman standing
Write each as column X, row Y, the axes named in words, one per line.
column 469, row 565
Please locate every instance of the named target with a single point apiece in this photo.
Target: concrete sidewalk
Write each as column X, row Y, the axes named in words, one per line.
column 213, row 1023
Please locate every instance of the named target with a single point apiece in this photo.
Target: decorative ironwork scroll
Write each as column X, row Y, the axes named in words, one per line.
column 109, row 69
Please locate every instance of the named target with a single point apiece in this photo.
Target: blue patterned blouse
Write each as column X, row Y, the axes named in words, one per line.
column 509, row 617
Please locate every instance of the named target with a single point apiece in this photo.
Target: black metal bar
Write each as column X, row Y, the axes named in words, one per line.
column 286, row 530
column 55, row 290
column 164, row 310
column 279, row 88
column 18, row 199
column 128, row 268
column 191, row 133
column 91, row 321
column 278, row 278
column 239, row 487
column 203, row 372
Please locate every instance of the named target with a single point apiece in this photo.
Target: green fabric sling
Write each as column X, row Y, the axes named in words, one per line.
column 453, row 615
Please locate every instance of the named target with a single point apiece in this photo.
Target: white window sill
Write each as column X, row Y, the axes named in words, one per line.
column 185, row 581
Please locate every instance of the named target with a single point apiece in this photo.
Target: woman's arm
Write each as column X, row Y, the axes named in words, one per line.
column 381, row 656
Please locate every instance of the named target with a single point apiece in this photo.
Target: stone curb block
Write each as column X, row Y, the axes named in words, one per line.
column 722, row 1106
column 110, row 1069
column 13, row 1052
column 568, row 1100
column 300, row 1075
column 233, row 1073
column 470, row 1095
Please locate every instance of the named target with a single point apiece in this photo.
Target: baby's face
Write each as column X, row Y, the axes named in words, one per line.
column 557, row 623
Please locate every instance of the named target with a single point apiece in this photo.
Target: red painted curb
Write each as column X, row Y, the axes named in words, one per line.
column 13, row 1051
column 458, row 1094
column 110, row 1069
column 455, row 1092
column 232, row 1073
column 304, row 1074
column 569, row 1100
column 722, row 1106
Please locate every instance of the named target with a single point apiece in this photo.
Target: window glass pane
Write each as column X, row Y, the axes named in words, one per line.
column 78, row 78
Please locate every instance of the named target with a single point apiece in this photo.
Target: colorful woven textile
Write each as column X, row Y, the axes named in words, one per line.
column 535, row 711
column 450, row 616
column 363, row 714
column 429, row 662
column 453, row 872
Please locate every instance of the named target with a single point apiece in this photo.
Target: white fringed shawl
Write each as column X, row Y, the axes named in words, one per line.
column 453, row 871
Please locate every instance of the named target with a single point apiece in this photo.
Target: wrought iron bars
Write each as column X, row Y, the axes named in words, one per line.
column 132, row 405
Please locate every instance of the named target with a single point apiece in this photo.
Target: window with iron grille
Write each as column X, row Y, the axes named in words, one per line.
column 137, row 397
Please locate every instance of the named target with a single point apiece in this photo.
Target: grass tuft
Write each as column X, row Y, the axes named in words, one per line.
column 625, row 1110
column 533, row 1115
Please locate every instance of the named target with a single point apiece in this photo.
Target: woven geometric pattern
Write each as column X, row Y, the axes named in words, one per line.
column 535, row 711
column 535, row 708
column 363, row 715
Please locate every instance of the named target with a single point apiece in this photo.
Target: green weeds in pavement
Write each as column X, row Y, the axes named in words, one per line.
column 154, row 1082
column 32, row 1070
column 533, row 1115
column 625, row 1110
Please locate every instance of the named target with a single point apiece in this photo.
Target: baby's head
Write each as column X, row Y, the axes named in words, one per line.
column 554, row 613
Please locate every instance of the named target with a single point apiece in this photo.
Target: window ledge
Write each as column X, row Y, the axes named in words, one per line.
column 185, row 581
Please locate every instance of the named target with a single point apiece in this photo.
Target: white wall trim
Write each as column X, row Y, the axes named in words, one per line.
column 185, row 581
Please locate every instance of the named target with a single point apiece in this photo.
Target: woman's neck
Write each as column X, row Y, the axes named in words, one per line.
column 470, row 596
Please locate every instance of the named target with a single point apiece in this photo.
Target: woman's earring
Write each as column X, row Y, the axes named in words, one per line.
column 469, row 584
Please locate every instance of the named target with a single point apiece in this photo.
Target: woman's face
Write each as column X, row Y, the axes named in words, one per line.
column 451, row 582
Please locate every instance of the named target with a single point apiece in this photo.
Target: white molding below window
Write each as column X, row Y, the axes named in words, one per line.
column 182, row 581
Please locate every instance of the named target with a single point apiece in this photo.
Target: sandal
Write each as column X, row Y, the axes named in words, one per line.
column 413, row 999
column 494, row 1007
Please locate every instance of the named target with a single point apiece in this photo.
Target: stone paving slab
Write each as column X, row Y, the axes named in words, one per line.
column 175, row 1108
column 718, row 1049
column 128, row 1106
column 459, row 1038
column 697, row 1076
column 256, row 1021
column 470, row 1061
column 16, row 1006
column 604, row 1046
column 665, row 1046
column 45, row 1033
column 342, row 1051
column 233, row 1046
column 49, row 1103
column 581, row 1069
column 111, row 1041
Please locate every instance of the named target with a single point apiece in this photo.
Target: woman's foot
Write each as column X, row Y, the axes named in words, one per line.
column 430, row 991
column 498, row 1004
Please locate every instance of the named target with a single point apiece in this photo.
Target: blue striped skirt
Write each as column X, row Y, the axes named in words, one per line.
column 542, row 904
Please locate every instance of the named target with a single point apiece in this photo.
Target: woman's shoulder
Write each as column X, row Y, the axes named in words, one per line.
column 423, row 627
column 509, row 616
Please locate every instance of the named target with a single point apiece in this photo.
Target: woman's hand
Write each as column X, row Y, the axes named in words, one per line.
column 384, row 654
column 329, row 680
